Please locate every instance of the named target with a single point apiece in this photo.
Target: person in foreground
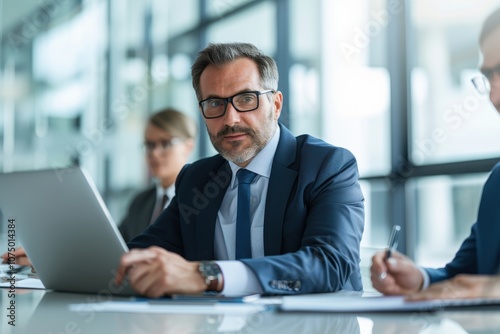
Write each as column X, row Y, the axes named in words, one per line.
column 169, row 140
column 475, row 270
column 299, row 229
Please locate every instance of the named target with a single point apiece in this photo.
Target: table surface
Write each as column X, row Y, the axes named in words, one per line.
column 41, row 311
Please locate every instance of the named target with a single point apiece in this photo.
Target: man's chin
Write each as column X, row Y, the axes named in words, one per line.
column 238, row 157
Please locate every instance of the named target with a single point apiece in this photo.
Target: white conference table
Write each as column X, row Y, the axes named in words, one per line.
column 41, row 311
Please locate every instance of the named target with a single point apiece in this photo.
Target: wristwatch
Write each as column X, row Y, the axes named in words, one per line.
column 212, row 274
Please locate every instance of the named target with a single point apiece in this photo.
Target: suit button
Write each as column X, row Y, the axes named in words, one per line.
column 296, row 286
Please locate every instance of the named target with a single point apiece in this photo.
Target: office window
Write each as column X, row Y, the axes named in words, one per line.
column 66, row 78
column 304, row 109
column 354, row 89
column 450, row 121
column 220, row 7
column 355, row 81
column 377, row 231
column 255, row 25
column 446, row 209
column 182, row 15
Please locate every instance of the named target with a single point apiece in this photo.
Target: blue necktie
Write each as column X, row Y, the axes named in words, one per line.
column 243, row 245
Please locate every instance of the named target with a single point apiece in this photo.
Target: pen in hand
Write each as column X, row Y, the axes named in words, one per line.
column 391, row 248
column 393, row 241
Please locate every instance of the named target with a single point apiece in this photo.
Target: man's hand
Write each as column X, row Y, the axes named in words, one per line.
column 461, row 286
column 20, row 255
column 155, row 272
column 396, row 276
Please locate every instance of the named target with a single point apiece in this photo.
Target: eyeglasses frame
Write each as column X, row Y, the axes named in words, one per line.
column 163, row 148
column 230, row 100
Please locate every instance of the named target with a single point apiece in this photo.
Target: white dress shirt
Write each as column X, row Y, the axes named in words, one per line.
column 238, row 278
column 426, row 277
column 160, row 191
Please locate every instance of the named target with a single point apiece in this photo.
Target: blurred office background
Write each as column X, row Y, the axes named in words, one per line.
column 387, row 79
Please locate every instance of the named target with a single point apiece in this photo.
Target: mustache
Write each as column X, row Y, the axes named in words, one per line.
column 234, row 129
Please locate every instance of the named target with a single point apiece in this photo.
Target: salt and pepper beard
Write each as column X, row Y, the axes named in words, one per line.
column 258, row 140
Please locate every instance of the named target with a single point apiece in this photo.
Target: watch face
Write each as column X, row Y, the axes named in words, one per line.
column 212, row 274
column 209, row 270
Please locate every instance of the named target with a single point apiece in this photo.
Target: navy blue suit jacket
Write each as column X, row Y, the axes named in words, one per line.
column 480, row 252
column 314, row 217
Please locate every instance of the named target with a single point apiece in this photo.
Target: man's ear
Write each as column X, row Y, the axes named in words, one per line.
column 278, row 104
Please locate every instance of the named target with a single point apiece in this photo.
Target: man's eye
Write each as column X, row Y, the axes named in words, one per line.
column 215, row 103
column 246, row 98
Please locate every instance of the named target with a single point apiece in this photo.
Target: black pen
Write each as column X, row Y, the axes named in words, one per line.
column 393, row 241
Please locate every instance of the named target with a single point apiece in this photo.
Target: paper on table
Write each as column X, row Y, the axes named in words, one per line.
column 208, row 297
column 28, row 283
column 332, row 303
column 171, row 307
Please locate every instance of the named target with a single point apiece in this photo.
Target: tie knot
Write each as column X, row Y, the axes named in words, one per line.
column 245, row 176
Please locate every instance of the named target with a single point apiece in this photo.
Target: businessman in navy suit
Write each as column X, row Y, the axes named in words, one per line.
column 305, row 204
column 475, row 270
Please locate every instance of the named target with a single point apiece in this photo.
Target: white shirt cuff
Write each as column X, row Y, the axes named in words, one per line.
column 427, row 280
column 238, row 279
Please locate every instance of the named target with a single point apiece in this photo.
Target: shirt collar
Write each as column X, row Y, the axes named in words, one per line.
column 160, row 191
column 262, row 163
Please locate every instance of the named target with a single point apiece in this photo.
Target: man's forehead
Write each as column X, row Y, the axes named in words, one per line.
column 490, row 49
column 237, row 75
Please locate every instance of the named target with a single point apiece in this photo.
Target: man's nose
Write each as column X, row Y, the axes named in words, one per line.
column 232, row 116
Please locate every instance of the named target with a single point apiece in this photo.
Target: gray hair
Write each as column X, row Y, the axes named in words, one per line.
column 220, row 54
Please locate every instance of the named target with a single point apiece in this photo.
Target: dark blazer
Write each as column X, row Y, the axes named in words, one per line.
column 480, row 252
column 314, row 217
column 139, row 214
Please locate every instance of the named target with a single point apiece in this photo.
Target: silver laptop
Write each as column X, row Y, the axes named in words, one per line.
column 63, row 224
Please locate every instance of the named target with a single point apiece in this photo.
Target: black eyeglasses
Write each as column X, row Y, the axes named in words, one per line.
column 163, row 145
column 242, row 102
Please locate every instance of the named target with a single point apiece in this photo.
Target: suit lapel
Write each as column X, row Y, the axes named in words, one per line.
column 149, row 206
column 280, row 184
column 215, row 189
